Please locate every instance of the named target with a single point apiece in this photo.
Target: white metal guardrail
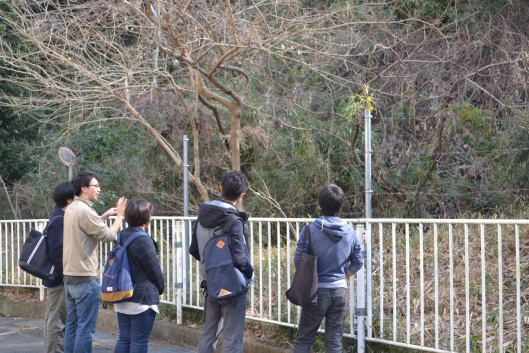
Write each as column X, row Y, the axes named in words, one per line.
column 432, row 285
column 449, row 285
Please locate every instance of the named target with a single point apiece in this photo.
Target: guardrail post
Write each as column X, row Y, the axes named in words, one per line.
column 368, row 256
column 361, row 311
column 40, row 227
column 178, row 268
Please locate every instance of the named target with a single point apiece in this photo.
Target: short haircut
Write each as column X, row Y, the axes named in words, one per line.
column 331, row 199
column 138, row 212
column 82, row 179
column 234, row 183
column 62, row 193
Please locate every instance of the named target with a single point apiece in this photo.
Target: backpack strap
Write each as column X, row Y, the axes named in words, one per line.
column 229, row 222
column 45, row 231
column 132, row 237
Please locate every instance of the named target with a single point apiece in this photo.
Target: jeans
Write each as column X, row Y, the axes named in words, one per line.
column 228, row 316
column 332, row 305
column 83, row 307
column 134, row 332
column 55, row 320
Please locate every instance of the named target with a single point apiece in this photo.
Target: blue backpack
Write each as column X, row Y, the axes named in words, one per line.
column 223, row 279
column 117, row 282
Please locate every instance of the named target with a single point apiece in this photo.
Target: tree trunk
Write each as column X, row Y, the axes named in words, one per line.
column 235, row 144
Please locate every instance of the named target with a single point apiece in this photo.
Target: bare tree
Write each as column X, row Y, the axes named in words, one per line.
column 283, row 61
column 8, row 198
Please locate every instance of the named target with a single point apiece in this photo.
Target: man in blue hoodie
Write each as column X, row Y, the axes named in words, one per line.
column 339, row 254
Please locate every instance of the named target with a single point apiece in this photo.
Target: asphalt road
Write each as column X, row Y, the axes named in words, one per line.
column 21, row 335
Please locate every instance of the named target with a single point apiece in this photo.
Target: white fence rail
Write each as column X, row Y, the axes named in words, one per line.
column 433, row 285
column 449, row 285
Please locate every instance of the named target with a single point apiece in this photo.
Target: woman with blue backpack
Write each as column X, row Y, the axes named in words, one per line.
column 136, row 314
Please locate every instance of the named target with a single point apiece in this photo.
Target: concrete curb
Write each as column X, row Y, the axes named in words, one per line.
column 179, row 335
column 17, row 309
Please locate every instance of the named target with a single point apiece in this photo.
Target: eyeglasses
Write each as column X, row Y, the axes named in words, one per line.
column 97, row 186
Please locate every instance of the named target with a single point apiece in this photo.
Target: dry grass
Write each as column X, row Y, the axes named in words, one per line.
column 20, row 294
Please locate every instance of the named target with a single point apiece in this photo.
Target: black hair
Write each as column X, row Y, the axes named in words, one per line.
column 234, row 183
column 331, row 199
column 82, row 179
column 62, row 193
column 138, row 212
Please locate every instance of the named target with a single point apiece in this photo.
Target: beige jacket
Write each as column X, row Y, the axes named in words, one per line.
column 83, row 230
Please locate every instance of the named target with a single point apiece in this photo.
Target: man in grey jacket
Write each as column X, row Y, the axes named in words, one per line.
column 339, row 254
column 83, row 230
column 228, row 315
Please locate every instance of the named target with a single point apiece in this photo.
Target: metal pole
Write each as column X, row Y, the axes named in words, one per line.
column 369, row 215
column 184, row 279
column 364, row 310
column 369, row 191
column 186, row 181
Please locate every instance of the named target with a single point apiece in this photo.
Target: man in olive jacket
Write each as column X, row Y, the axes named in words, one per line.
column 83, row 230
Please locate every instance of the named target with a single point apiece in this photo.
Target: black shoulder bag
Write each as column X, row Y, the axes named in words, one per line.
column 35, row 256
column 304, row 288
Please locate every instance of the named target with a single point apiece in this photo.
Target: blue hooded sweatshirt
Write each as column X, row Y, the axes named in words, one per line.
column 337, row 247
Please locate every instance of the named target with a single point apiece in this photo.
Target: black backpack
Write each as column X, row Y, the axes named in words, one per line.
column 223, row 279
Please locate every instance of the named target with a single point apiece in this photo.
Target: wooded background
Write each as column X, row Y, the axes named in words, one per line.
column 274, row 88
